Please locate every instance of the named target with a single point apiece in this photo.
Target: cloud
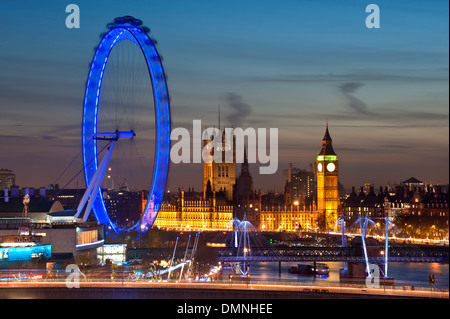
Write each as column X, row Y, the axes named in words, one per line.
column 397, row 146
column 10, row 136
column 242, row 110
column 354, row 103
column 400, row 75
column 48, row 137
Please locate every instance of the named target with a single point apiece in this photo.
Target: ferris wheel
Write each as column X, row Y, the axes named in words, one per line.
column 126, row 116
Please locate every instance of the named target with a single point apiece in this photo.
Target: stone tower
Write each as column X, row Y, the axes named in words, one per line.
column 327, row 175
column 221, row 176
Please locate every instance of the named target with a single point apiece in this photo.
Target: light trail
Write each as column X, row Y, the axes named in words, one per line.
column 269, row 287
column 441, row 242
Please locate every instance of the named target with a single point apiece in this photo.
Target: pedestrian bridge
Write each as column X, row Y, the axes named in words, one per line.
column 329, row 259
column 411, row 253
column 415, row 253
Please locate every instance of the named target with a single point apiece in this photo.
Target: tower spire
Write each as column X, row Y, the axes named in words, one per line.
column 219, row 115
column 327, row 147
column 327, row 133
column 244, row 167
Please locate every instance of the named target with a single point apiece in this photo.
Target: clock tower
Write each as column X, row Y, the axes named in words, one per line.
column 327, row 172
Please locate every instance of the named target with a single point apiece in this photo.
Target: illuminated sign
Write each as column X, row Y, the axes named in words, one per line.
column 25, row 253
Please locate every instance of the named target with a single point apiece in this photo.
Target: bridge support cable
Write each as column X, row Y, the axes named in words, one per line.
column 386, row 245
column 185, row 255
column 363, row 228
column 193, row 253
column 341, row 221
column 173, row 256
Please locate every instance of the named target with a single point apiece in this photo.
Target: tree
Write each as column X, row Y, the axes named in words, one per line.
column 322, row 221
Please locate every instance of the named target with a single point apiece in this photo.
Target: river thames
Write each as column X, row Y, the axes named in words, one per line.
column 404, row 274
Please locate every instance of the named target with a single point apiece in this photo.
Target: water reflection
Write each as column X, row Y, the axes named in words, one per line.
column 405, row 274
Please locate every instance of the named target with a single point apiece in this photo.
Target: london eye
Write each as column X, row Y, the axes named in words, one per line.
column 126, row 108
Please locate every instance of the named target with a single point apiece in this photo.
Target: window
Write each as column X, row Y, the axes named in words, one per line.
column 86, row 237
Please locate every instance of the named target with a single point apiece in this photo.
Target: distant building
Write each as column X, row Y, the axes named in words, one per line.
column 287, row 218
column 218, row 177
column 37, row 210
column 300, row 185
column 419, row 211
column 214, row 208
column 412, row 183
column 305, row 200
column 246, row 200
column 69, row 198
column 7, row 179
column 368, row 187
column 48, row 219
column 190, row 211
column 124, row 207
column 363, row 204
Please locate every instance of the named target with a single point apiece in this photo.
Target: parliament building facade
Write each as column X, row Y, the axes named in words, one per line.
column 225, row 196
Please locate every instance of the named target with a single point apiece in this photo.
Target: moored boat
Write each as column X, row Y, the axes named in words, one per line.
column 316, row 269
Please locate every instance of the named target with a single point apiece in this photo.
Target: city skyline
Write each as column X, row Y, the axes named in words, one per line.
column 293, row 66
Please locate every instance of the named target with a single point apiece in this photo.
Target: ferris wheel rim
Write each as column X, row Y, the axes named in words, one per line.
column 126, row 28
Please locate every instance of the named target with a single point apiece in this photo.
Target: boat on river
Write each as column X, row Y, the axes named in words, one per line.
column 316, row 269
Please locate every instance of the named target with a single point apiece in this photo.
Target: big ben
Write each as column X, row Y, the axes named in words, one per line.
column 327, row 172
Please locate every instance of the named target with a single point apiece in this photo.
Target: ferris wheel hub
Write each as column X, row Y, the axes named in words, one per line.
column 114, row 136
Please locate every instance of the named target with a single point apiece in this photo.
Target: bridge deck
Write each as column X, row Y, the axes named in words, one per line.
column 429, row 254
column 329, row 259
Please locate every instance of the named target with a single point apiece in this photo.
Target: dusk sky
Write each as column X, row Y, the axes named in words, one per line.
column 293, row 65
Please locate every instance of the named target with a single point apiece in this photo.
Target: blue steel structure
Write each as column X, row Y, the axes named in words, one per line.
column 131, row 29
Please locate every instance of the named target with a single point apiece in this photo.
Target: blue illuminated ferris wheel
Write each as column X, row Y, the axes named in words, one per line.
column 121, row 90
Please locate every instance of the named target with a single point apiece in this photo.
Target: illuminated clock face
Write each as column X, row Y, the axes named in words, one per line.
column 331, row 167
column 319, row 167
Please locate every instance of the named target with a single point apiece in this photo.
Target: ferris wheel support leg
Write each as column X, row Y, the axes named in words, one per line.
column 86, row 194
column 94, row 186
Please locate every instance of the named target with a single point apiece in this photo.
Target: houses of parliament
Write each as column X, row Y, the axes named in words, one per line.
column 308, row 196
